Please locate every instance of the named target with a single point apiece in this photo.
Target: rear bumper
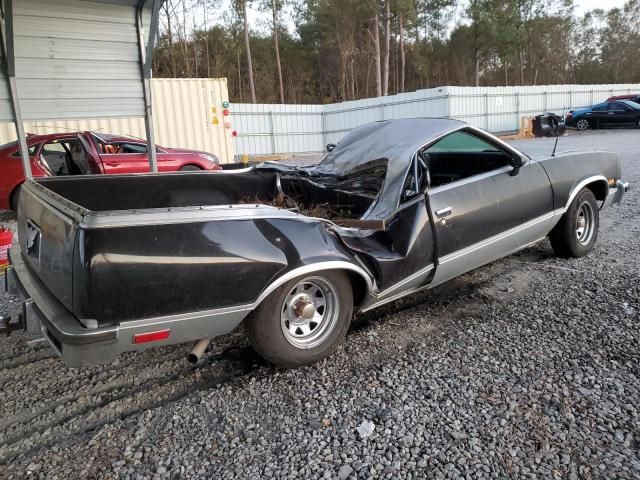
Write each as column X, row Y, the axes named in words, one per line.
column 616, row 194
column 43, row 313
column 80, row 346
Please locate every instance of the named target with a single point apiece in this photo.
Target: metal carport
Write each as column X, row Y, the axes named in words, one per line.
column 76, row 59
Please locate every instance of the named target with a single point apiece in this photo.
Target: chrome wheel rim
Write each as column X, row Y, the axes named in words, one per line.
column 585, row 223
column 309, row 312
column 582, row 125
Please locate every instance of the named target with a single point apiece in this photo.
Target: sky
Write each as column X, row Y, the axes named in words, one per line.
column 583, row 6
column 261, row 20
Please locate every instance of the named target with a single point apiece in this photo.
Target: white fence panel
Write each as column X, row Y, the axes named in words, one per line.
column 268, row 129
column 189, row 113
column 273, row 129
column 342, row 117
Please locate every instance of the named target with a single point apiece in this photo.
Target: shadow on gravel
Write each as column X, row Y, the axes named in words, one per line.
column 479, row 286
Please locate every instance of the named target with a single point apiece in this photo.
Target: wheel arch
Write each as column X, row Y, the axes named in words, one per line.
column 360, row 280
column 598, row 184
column 191, row 164
column 14, row 191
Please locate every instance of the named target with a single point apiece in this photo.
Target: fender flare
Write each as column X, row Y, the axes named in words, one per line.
column 583, row 183
column 313, row 268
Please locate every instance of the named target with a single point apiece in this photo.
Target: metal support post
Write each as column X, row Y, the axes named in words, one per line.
column 6, row 23
column 146, row 59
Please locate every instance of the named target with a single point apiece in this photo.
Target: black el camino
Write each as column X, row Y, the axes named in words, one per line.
column 109, row 264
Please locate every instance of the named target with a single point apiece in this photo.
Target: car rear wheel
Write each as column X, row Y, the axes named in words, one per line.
column 303, row 321
column 190, row 168
column 582, row 125
column 14, row 198
column 576, row 233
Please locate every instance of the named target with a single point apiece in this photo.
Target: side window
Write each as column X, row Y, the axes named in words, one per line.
column 600, row 108
column 460, row 155
column 54, row 156
column 133, row 148
column 32, row 151
column 462, row 142
column 122, row 147
column 615, row 107
column 417, row 180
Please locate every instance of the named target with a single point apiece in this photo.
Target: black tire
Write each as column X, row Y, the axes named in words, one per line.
column 572, row 238
column 583, row 125
column 272, row 336
column 13, row 199
column 190, row 168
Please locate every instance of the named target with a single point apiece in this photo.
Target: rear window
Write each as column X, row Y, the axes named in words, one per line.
column 32, row 150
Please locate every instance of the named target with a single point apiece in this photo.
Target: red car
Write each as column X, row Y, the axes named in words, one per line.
column 89, row 153
column 635, row 97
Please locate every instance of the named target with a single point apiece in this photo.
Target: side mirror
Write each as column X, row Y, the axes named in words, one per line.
column 330, row 147
column 517, row 162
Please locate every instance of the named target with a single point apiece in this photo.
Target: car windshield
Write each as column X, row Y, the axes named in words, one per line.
column 631, row 104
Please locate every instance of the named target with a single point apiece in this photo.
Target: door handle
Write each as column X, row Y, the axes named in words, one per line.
column 113, row 164
column 443, row 212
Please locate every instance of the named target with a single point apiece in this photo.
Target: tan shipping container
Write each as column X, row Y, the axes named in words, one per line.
column 187, row 113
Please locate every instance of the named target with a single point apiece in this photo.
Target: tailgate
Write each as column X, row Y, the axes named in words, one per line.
column 47, row 232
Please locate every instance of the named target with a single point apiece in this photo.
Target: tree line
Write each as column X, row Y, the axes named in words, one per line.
column 351, row 49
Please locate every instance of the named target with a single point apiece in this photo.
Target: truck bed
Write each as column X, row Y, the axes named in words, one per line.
column 101, row 193
column 183, row 242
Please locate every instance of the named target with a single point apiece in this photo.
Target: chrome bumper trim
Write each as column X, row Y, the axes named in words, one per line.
column 616, row 194
column 79, row 346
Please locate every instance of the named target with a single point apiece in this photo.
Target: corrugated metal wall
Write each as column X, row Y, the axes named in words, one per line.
column 499, row 109
column 76, row 58
column 265, row 129
column 185, row 111
column 342, row 117
column 270, row 129
column 185, row 114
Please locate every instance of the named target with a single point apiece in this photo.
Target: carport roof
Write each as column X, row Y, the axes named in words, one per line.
column 76, row 59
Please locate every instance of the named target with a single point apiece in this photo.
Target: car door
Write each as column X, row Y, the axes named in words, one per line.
column 616, row 115
column 482, row 207
column 625, row 115
column 124, row 157
column 597, row 116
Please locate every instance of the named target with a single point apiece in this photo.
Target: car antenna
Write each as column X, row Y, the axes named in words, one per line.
column 555, row 144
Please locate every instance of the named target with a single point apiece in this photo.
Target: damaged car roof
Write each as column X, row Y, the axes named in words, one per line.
column 375, row 154
column 392, row 142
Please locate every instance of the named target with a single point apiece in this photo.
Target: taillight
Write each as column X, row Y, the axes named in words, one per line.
column 151, row 336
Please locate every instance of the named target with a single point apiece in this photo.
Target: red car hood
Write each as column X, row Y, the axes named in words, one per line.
column 185, row 150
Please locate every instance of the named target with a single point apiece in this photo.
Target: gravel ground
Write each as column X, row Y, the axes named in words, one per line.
column 526, row 368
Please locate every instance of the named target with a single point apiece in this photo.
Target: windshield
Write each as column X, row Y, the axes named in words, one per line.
column 631, row 104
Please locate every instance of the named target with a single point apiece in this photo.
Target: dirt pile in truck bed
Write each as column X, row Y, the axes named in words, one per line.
column 298, row 204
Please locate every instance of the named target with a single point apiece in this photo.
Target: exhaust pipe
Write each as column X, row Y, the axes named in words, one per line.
column 198, row 349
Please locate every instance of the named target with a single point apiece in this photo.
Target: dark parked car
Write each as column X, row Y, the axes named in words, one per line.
column 89, row 153
column 634, row 97
column 621, row 113
column 117, row 263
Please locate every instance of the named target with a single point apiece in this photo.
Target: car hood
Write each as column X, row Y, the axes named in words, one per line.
column 185, row 150
column 580, row 111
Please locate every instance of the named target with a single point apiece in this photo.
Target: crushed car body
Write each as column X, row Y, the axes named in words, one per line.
column 397, row 206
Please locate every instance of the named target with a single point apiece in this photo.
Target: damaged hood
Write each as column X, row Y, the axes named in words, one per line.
column 388, row 143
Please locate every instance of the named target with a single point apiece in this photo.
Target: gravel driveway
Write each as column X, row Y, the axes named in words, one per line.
column 526, row 368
